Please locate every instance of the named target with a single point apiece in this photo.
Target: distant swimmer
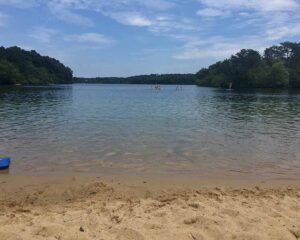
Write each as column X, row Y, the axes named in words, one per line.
column 157, row 87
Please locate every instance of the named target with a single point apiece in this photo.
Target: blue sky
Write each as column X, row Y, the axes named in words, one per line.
column 130, row 37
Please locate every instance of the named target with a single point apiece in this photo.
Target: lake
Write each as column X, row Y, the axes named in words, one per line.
column 133, row 129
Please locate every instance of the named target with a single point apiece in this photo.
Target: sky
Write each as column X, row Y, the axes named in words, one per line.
column 132, row 37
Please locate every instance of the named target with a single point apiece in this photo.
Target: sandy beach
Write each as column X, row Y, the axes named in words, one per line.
column 93, row 207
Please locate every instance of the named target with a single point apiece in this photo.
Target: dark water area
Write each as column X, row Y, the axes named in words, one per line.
column 134, row 129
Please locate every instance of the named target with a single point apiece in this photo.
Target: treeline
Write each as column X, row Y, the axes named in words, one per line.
column 18, row 66
column 279, row 67
column 187, row 79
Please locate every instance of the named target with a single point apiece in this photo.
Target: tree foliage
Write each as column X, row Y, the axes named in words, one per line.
column 279, row 67
column 143, row 79
column 18, row 66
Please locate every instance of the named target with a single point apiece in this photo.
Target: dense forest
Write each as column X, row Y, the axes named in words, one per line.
column 279, row 67
column 143, row 79
column 18, row 66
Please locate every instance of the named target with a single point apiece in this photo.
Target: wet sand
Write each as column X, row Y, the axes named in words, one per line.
column 123, row 207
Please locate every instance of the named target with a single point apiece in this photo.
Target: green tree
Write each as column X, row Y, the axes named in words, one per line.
column 278, row 68
column 9, row 74
column 279, row 75
column 29, row 67
column 242, row 65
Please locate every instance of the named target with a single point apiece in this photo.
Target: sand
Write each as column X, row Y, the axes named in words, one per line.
column 81, row 207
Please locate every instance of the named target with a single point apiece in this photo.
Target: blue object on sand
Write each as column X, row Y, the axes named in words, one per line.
column 4, row 163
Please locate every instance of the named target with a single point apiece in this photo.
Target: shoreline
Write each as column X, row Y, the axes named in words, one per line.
column 130, row 207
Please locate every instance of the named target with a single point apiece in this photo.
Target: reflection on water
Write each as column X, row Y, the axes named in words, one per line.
column 131, row 128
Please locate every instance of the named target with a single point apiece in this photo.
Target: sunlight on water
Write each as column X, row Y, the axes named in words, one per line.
column 134, row 129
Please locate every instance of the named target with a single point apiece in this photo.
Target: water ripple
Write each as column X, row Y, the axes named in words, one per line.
column 197, row 130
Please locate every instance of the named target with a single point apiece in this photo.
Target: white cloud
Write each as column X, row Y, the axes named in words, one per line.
column 281, row 32
column 43, row 34
column 280, row 28
column 2, row 19
column 48, row 35
column 95, row 38
column 156, row 16
column 157, row 4
column 210, row 47
column 258, row 5
column 117, row 5
column 219, row 48
column 20, row 3
column 137, row 13
column 211, row 12
column 244, row 14
column 132, row 19
column 61, row 11
column 260, row 23
column 127, row 12
column 170, row 25
column 276, row 5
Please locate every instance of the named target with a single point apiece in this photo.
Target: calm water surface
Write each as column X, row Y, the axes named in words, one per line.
column 133, row 129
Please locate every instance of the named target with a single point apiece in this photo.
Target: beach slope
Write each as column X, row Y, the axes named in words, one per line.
column 95, row 208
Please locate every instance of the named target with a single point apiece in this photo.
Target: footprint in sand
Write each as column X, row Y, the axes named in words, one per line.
column 153, row 226
column 296, row 232
column 230, row 212
column 196, row 236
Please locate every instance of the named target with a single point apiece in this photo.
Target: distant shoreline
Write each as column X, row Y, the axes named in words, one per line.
column 162, row 79
column 246, row 69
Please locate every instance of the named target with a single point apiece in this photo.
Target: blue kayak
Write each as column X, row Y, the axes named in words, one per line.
column 4, row 162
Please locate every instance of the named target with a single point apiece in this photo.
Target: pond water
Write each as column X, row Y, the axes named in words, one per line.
column 134, row 129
